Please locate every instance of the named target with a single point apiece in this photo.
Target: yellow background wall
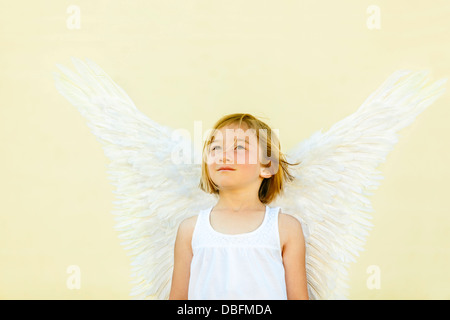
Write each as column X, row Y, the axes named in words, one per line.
column 302, row 65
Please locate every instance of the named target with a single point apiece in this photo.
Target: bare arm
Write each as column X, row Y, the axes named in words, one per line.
column 182, row 260
column 293, row 251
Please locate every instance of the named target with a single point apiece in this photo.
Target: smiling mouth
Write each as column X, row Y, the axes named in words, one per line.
column 226, row 169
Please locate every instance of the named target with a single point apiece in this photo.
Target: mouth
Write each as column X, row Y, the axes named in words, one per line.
column 226, row 169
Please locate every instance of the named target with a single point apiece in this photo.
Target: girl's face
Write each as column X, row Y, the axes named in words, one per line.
column 233, row 158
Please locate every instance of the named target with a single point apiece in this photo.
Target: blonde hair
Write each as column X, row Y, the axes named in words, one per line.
column 275, row 160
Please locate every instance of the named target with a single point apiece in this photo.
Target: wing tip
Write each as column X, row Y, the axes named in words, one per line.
column 75, row 60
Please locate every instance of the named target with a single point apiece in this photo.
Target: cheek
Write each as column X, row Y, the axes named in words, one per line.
column 250, row 163
column 249, row 169
column 247, row 157
column 211, row 169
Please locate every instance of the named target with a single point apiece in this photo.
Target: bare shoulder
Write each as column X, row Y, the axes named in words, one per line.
column 289, row 228
column 289, row 222
column 187, row 226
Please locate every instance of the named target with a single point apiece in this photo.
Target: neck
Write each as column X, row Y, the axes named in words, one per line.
column 239, row 200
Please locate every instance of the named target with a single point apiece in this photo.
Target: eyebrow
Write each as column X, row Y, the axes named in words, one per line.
column 240, row 139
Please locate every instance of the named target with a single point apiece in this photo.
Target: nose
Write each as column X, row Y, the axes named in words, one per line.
column 227, row 155
column 226, row 158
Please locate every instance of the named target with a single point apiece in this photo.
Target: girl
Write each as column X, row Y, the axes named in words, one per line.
column 241, row 248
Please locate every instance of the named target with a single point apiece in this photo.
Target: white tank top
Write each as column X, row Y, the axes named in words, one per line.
column 239, row 266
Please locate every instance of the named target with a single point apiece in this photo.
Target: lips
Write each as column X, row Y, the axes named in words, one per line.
column 226, row 169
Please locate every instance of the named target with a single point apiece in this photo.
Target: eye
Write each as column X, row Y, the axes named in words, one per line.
column 242, row 147
column 214, row 148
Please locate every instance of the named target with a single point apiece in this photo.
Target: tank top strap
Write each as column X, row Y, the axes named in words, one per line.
column 271, row 232
column 200, row 234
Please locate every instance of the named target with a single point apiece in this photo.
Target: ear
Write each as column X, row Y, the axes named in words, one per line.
column 265, row 173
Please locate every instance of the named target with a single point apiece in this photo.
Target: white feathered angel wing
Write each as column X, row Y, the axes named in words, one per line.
column 155, row 191
column 338, row 172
